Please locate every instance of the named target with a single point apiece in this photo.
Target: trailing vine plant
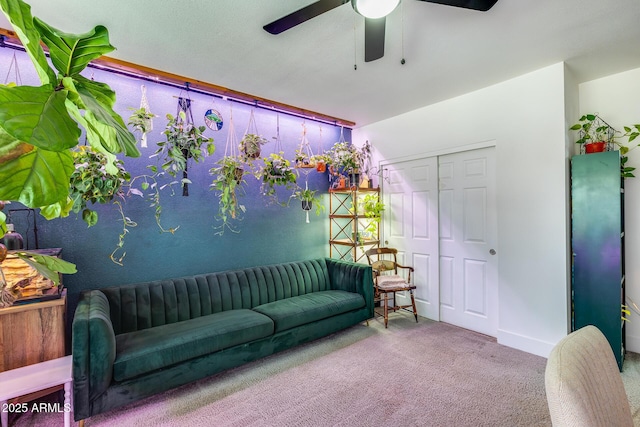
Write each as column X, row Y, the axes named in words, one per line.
column 183, row 141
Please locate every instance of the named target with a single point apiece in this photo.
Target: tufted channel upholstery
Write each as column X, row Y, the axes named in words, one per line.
column 145, row 305
column 132, row 341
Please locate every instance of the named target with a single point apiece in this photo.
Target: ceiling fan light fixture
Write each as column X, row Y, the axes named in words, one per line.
column 374, row 9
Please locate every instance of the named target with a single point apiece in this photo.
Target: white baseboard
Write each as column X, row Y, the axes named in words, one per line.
column 524, row 343
column 633, row 343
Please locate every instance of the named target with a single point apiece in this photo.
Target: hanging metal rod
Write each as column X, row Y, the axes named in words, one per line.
column 117, row 66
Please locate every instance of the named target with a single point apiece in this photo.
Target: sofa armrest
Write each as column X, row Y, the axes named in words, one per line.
column 93, row 345
column 352, row 277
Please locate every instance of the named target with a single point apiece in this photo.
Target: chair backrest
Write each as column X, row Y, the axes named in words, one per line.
column 583, row 384
column 383, row 259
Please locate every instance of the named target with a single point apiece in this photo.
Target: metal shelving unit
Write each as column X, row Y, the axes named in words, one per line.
column 347, row 225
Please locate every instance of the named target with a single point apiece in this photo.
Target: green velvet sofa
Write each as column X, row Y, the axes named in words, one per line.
column 132, row 341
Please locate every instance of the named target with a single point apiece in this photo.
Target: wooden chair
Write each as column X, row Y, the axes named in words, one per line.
column 387, row 281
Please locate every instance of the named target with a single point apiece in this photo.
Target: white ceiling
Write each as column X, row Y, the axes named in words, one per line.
column 448, row 51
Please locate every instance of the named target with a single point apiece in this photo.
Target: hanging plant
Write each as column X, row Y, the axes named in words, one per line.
column 251, row 146
column 183, row 141
column 251, row 143
column 91, row 182
column 142, row 121
column 321, row 161
column 345, row 157
column 276, row 172
column 304, row 160
column 307, row 199
column 228, row 178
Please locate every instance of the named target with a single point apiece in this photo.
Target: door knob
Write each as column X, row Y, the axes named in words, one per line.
column 492, row 251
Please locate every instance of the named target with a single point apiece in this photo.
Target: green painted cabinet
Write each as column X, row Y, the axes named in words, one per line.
column 597, row 241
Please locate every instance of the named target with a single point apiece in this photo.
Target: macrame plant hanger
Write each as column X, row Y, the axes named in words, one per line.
column 184, row 121
column 16, row 71
column 321, row 164
column 303, row 162
column 148, row 122
column 231, row 147
column 278, row 146
column 251, row 140
column 334, row 173
column 304, row 154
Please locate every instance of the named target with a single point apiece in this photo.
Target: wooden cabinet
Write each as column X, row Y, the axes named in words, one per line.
column 32, row 333
column 597, row 241
column 351, row 233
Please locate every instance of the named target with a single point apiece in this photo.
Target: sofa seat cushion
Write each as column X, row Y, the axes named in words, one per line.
column 295, row 311
column 154, row 348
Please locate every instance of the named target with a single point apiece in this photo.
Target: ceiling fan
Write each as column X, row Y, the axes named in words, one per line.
column 374, row 12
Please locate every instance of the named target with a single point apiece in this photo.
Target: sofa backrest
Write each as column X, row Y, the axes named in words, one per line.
column 148, row 304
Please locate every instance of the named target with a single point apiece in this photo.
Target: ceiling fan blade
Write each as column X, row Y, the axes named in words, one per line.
column 302, row 15
column 373, row 38
column 481, row 5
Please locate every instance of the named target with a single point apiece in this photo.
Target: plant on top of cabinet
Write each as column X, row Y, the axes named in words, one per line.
column 276, row 172
column 39, row 124
column 228, row 178
column 594, row 133
column 183, row 141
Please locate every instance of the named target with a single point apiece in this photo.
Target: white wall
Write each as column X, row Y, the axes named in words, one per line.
column 616, row 99
column 525, row 117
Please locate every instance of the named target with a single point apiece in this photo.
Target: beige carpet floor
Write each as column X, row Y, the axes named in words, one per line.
column 424, row 374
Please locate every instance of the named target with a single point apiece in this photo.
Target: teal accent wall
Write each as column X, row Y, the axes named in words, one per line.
column 268, row 233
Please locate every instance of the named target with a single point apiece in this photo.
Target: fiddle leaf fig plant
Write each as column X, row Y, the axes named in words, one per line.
column 39, row 124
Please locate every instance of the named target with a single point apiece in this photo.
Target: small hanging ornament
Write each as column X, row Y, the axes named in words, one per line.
column 213, row 119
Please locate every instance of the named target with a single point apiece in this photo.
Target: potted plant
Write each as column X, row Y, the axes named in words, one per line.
column 594, row 133
column 36, row 166
column 183, row 141
column 276, row 172
column 346, row 159
column 303, row 159
column 592, row 128
column 228, row 177
column 321, row 161
column 142, row 121
column 372, row 208
column 251, row 145
column 307, row 199
column 90, row 182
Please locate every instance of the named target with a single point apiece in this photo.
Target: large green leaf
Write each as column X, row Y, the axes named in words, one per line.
column 71, row 53
column 19, row 14
column 47, row 265
column 98, row 100
column 38, row 116
column 33, row 176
